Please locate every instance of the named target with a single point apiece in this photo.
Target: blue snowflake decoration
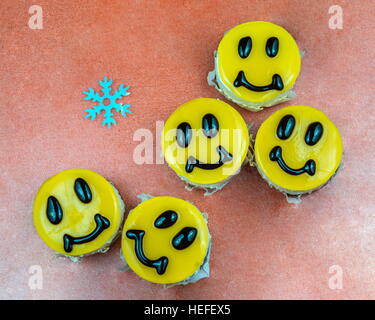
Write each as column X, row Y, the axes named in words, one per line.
column 107, row 102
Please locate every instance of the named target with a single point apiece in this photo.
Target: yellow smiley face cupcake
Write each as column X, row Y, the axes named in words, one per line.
column 256, row 65
column 205, row 141
column 298, row 149
column 166, row 240
column 77, row 212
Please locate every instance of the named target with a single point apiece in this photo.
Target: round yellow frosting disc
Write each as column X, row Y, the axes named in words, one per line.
column 295, row 154
column 232, row 138
column 89, row 225
column 156, row 243
column 258, row 67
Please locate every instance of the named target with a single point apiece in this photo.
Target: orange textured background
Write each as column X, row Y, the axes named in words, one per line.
column 263, row 247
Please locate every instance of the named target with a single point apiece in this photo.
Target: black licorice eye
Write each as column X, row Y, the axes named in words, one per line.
column 285, row 127
column 244, row 47
column 82, row 190
column 272, row 47
column 183, row 134
column 54, row 211
column 184, row 238
column 166, row 219
column 313, row 133
column 210, row 125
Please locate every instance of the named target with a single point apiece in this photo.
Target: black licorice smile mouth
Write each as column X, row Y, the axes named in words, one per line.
column 276, row 155
column 192, row 162
column 159, row 264
column 277, row 83
column 101, row 224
